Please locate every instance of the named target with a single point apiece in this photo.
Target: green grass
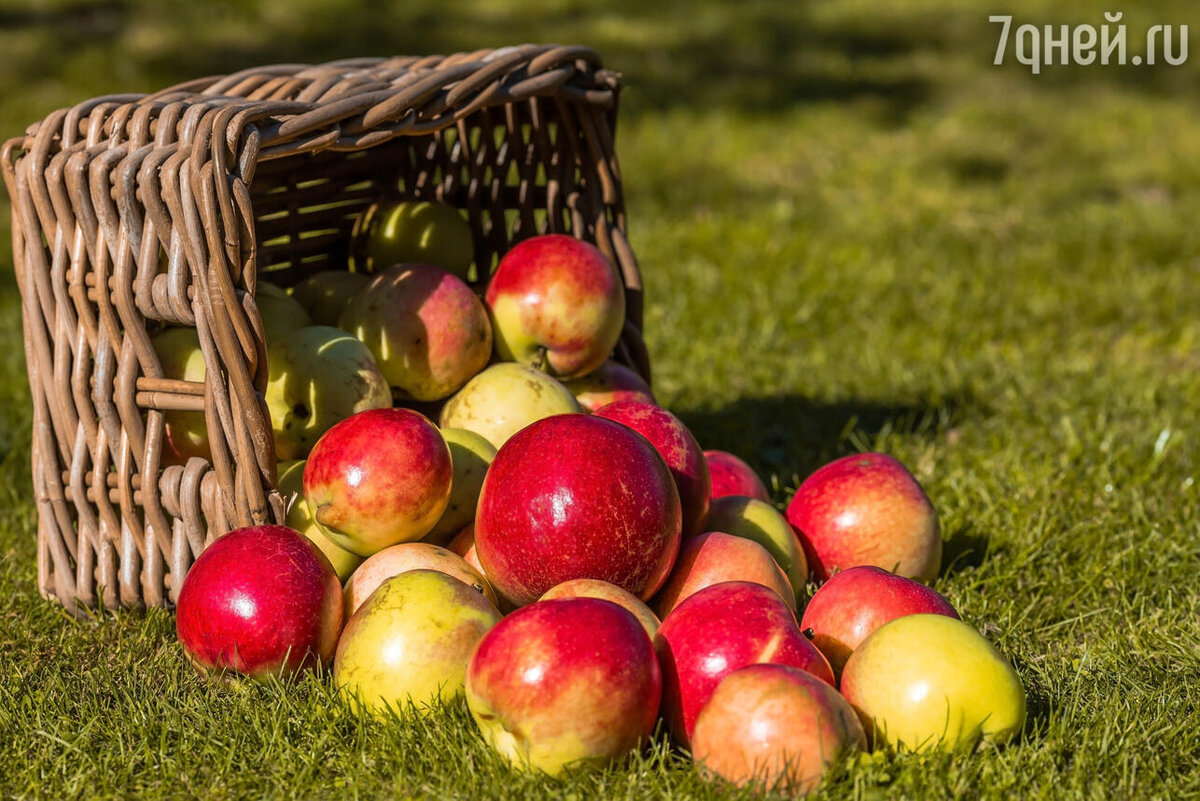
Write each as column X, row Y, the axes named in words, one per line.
column 855, row 233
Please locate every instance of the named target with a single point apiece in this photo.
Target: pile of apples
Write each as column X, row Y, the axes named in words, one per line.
column 560, row 549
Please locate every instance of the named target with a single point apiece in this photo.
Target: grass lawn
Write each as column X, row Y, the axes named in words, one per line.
column 856, row 233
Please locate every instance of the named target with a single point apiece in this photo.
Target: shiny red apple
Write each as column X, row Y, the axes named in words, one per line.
column 262, row 601
column 852, row 604
column 556, row 303
column 867, row 509
column 718, row 630
column 577, row 496
column 678, row 448
column 732, row 476
column 564, row 684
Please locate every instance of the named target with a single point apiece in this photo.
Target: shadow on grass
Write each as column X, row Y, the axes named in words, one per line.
column 963, row 548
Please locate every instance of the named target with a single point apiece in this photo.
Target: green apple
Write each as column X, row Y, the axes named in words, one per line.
column 505, row 398
column 410, row 641
column 924, row 682
column 412, row 232
column 319, row 375
column 300, row 517
column 181, row 359
column 760, row 521
column 470, row 454
column 280, row 312
column 324, row 295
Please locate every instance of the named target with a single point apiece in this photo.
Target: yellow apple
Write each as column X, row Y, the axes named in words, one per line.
column 281, row 313
column 324, row 295
column 470, row 454
column 413, row 231
column 179, row 355
column 505, row 398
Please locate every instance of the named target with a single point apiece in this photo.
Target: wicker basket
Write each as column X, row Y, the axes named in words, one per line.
column 133, row 212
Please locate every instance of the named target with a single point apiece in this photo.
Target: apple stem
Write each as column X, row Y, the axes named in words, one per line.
column 540, row 358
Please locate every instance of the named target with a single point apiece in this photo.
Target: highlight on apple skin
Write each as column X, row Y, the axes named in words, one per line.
column 867, row 509
column 564, row 685
column 262, row 601
column 577, row 496
column 776, row 728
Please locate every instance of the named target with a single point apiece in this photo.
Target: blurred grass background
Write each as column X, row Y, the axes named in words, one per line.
column 856, row 232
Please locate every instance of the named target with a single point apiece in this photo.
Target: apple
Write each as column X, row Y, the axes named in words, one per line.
column 412, row 231
column 503, row 399
column 731, row 476
column 715, row 557
column 577, row 496
column 300, row 517
column 594, row 588
column 867, row 509
column 318, row 375
column 565, row 684
column 280, row 312
column 558, row 304
column 610, row 382
column 263, row 601
column 463, row 544
column 760, row 521
column 407, row 646
column 426, row 328
column 324, row 295
column 470, row 455
column 180, row 357
column 405, row 556
column 678, row 448
column 925, row 682
column 718, row 630
column 775, row 727
column 852, row 604
column 378, row 478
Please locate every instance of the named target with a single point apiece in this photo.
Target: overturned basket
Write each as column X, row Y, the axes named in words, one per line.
column 133, row 212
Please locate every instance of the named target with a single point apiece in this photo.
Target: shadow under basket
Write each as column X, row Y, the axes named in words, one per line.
column 135, row 212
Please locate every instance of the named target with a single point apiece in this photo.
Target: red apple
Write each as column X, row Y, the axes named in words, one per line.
column 867, row 509
column 378, row 478
column 429, row 333
column 716, row 557
column 261, row 600
column 557, row 303
column 611, row 382
column 563, row 684
column 731, row 476
column 678, row 448
column 718, row 630
column 776, row 727
column 854, row 603
column 594, row 588
column 577, row 496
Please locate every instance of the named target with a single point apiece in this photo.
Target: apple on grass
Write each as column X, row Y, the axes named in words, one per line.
column 324, row 295
column 715, row 557
column 851, row 605
column 300, row 517
column 718, row 630
column 610, row 382
column 594, row 588
column 577, row 496
column 407, row 646
column 759, row 521
column 406, row 556
column 427, row 330
column 775, row 727
column 732, row 476
column 412, row 231
column 565, row 684
column 261, row 600
column 503, row 399
column 867, row 509
column 470, row 456
column 926, row 682
column 378, row 478
column 558, row 304
column 318, row 376
column 678, row 448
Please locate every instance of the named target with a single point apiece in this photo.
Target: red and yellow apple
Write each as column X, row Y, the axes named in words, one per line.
column 610, row 382
column 715, row 557
column 300, row 517
column 594, row 588
column 406, row 556
column 732, row 476
column 759, row 521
